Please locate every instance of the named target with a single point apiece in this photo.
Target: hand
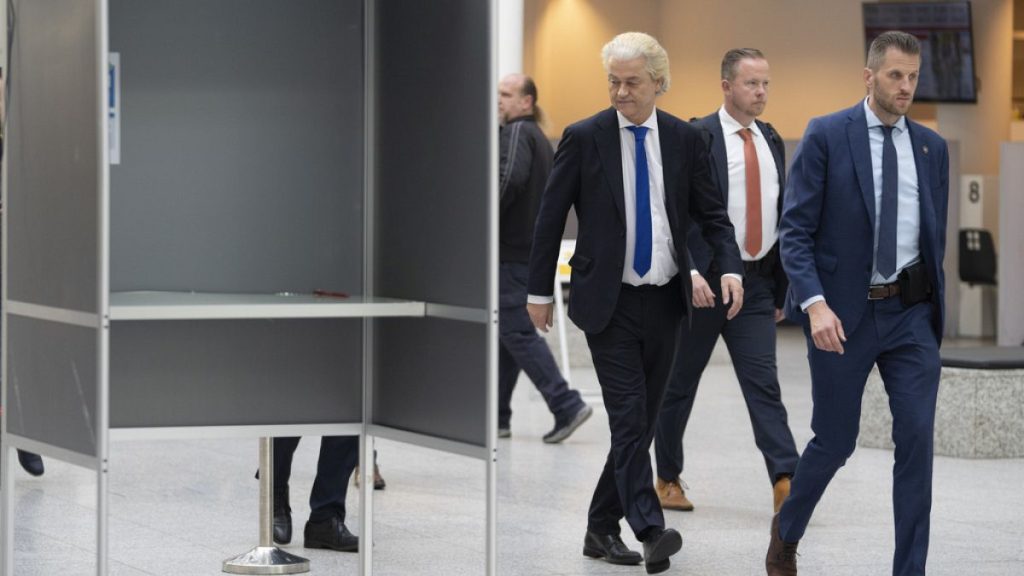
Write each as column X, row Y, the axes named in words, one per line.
column 703, row 297
column 826, row 328
column 542, row 315
column 732, row 292
column 779, row 315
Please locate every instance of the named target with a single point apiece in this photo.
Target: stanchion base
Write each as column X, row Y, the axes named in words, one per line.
column 266, row 560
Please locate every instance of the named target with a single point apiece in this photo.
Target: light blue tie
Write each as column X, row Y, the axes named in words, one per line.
column 642, row 249
column 885, row 257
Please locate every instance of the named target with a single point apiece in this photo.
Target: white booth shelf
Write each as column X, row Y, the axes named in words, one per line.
column 161, row 305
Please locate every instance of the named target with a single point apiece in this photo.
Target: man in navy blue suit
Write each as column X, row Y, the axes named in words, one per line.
column 863, row 237
column 636, row 176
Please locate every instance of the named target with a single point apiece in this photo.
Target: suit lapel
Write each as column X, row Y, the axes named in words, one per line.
column 720, row 157
column 860, row 150
column 671, row 152
column 780, row 165
column 609, row 149
column 924, row 189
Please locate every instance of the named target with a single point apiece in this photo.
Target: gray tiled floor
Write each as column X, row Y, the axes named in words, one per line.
column 182, row 507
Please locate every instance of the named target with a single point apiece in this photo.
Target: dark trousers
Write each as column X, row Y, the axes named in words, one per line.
column 339, row 455
column 633, row 359
column 901, row 342
column 523, row 349
column 750, row 337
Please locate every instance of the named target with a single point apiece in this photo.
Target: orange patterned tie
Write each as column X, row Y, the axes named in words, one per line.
column 753, row 243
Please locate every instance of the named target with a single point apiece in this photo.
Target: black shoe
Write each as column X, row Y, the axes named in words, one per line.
column 32, row 463
column 611, row 548
column 378, row 480
column 565, row 428
column 282, row 517
column 658, row 546
column 331, row 534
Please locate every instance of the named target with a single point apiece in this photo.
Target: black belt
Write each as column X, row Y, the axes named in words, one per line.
column 765, row 266
column 754, row 267
column 883, row 291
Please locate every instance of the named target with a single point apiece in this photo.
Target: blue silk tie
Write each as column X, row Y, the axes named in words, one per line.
column 885, row 257
column 642, row 248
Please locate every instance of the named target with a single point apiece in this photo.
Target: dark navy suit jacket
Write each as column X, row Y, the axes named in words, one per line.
column 828, row 218
column 700, row 252
column 587, row 174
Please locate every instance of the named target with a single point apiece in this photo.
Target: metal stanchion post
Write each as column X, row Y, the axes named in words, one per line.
column 266, row 558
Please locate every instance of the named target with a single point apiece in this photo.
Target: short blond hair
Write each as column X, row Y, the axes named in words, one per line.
column 632, row 45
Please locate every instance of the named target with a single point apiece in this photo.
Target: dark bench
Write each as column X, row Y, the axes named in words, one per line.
column 984, row 358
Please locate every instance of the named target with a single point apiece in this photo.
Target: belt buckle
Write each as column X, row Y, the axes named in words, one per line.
column 884, row 291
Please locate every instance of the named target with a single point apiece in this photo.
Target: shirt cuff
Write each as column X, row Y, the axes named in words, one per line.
column 733, row 275
column 534, row 299
column 806, row 303
column 694, row 272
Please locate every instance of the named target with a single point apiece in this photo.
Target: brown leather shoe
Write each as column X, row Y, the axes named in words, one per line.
column 672, row 495
column 781, row 558
column 781, row 492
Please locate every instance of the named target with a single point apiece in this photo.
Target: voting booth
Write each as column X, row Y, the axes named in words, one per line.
column 249, row 218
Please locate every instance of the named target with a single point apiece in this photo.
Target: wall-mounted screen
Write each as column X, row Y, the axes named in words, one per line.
column 947, row 46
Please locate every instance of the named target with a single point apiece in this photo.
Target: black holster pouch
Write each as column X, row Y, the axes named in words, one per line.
column 914, row 285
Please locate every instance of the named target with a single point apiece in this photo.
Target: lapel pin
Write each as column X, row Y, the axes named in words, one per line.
column 924, row 149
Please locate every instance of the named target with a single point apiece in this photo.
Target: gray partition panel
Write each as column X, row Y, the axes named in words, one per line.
column 430, row 378
column 233, row 373
column 51, row 391
column 242, row 145
column 53, row 155
column 433, row 146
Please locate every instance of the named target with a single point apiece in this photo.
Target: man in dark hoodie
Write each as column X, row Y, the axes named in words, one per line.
column 526, row 158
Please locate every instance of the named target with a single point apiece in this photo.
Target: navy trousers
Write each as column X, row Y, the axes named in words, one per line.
column 750, row 337
column 522, row 349
column 339, row 455
column 633, row 358
column 905, row 348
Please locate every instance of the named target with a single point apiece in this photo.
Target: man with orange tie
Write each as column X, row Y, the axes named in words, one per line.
column 748, row 166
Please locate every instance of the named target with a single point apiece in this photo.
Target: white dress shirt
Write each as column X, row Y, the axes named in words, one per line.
column 737, row 169
column 663, row 251
column 908, row 211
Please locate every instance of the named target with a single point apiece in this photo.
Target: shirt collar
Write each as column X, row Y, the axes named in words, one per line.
column 873, row 120
column 731, row 125
column 651, row 123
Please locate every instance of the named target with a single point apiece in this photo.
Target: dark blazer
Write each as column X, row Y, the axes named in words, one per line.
column 587, row 174
column 828, row 219
column 700, row 252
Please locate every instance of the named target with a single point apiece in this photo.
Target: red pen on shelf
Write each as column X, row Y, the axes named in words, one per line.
column 330, row 293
